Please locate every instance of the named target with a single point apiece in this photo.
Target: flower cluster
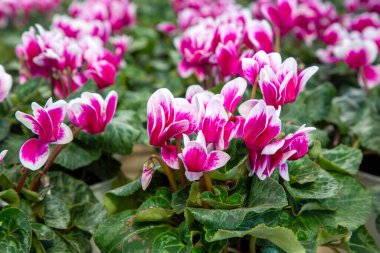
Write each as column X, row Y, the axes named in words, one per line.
column 215, row 47
column 72, row 51
column 214, row 123
column 280, row 82
column 117, row 13
column 356, row 41
column 90, row 113
column 17, row 10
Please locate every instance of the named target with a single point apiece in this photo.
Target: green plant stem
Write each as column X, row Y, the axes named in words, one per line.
column 36, row 182
column 208, row 181
column 180, row 164
column 277, row 34
column 169, row 172
column 254, row 88
column 252, row 245
column 22, row 179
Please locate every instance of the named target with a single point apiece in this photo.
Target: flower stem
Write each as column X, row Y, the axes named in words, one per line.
column 208, row 181
column 180, row 163
column 254, row 88
column 252, row 245
column 365, row 82
column 169, row 173
column 277, row 34
column 22, row 179
column 35, row 184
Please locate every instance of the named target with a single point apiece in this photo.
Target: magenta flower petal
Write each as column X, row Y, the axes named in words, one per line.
column 147, row 174
column 216, row 159
column 192, row 90
column 64, row 136
column 194, row 156
column 250, row 69
column 29, row 122
column 170, row 156
column 173, row 130
column 42, row 116
column 34, row 154
column 284, row 173
column 5, row 83
column 232, row 92
column 110, row 103
column 305, row 75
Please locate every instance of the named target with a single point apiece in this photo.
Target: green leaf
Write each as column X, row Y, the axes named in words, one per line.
column 15, row 231
column 179, row 199
column 78, row 240
column 88, row 216
column 219, row 199
column 13, row 144
column 368, row 131
column 120, row 134
column 168, row 242
column 354, row 199
column 324, row 187
column 362, row 242
column 72, row 191
column 113, row 199
column 119, row 233
column 318, row 109
column 280, row 236
column 11, row 197
column 224, row 174
column 56, row 213
column 194, row 199
column 342, row 159
column 154, row 209
column 234, row 219
column 329, row 234
column 5, row 126
column 303, row 171
column 267, row 194
column 74, row 156
column 51, row 241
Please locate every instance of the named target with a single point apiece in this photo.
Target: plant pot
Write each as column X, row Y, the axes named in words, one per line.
column 131, row 165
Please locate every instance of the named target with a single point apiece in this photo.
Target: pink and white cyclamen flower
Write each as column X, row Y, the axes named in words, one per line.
column 47, row 123
column 91, row 112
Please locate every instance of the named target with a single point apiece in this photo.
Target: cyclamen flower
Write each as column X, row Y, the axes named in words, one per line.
column 260, row 35
column 91, row 112
column 281, row 14
column 284, row 86
column 356, row 52
column 103, row 73
column 168, row 117
column 5, row 83
column 47, row 123
column 197, row 158
column 251, row 66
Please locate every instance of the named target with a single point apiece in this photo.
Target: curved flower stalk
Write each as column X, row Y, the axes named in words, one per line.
column 280, row 82
column 91, row 112
column 47, row 123
column 5, row 84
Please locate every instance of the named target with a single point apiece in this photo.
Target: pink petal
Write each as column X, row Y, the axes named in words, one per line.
column 273, row 147
column 64, row 136
column 43, row 118
column 250, row 69
column 194, row 157
column 34, row 154
column 284, row 173
column 185, row 111
column 192, row 90
column 232, row 92
column 193, row 176
column 173, row 130
column 216, row 159
column 147, row 174
column 170, row 156
column 372, row 76
column 29, row 122
column 246, row 107
column 2, row 155
column 305, row 75
column 110, row 103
